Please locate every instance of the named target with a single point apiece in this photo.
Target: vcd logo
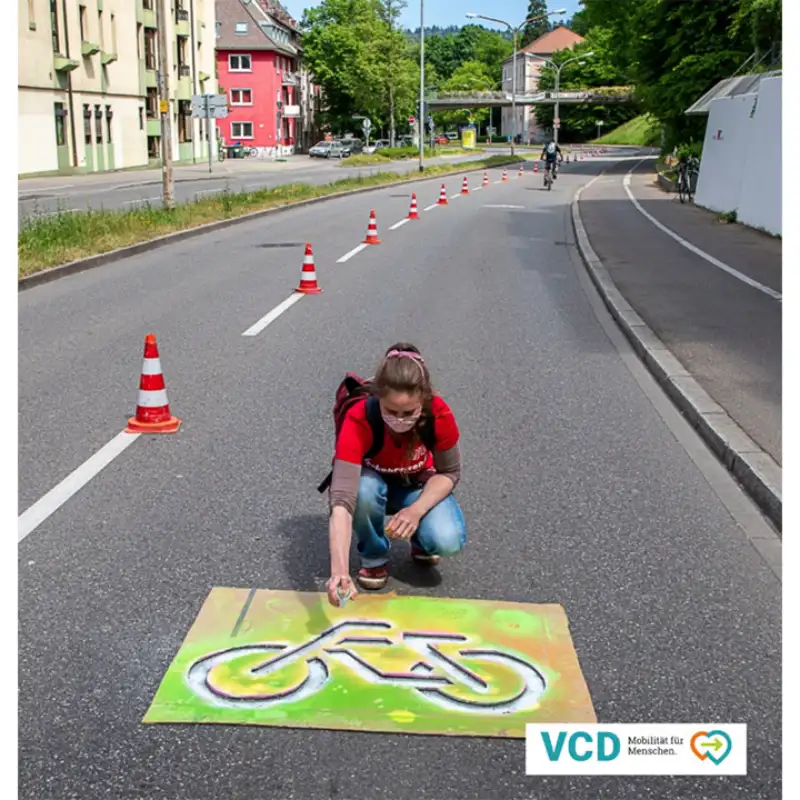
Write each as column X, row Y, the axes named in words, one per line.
column 581, row 745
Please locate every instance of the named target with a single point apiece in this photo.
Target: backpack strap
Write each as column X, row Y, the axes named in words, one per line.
column 427, row 433
column 375, row 420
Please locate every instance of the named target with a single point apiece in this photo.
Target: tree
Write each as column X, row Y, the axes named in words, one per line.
column 533, row 30
column 396, row 50
column 471, row 76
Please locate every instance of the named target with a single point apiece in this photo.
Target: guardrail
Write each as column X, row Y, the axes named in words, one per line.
column 609, row 94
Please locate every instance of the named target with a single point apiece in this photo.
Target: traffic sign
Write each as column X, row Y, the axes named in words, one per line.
column 412, row 119
column 366, row 125
column 214, row 100
column 163, row 106
column 558, row 120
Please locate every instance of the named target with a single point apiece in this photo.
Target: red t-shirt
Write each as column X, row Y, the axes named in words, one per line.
column 355, row 439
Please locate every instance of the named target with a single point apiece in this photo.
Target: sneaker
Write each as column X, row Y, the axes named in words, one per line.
column 373, row 577
column 421, row 557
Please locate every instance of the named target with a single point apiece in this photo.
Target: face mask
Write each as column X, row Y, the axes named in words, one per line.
column 401, row 424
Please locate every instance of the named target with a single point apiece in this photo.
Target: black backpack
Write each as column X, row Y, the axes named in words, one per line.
column 351, row 390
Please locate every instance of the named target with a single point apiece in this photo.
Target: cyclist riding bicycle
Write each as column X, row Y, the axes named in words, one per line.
column 550, row 153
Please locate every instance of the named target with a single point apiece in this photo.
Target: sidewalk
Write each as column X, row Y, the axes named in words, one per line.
column 725, row 332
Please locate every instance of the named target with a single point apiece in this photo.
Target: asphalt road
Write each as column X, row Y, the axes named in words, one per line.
column 125, row 190
column 726, row 332
column 582, row 486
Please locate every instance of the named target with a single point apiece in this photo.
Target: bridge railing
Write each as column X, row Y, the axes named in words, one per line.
column 602, row 94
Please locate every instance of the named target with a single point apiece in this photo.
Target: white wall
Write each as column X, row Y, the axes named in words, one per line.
column 741, row 164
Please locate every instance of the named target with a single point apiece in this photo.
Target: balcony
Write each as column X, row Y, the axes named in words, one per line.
column 63, row 64
column 108, row 58
column 290, row 79
column 89, row 48
column 153, row 127
column 183, row 91
column 184, row 71
column 182, row 24
column 150, row 79
column 146, row 16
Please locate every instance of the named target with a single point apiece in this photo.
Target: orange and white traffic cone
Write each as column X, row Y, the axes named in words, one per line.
column 372, row 230
column 465, row 186
column 485, row 183
column 521, row 169
column 152, row 410
column 505, row 175
column 535, row 167
column 412, row 214
column 442, row 196
column 308, row 275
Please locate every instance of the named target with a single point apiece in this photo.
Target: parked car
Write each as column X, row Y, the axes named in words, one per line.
column 442, row 139
column 378, row 145
column 327, row 150
column 352, row 146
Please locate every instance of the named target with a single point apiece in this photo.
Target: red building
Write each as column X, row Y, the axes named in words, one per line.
column 258, row 54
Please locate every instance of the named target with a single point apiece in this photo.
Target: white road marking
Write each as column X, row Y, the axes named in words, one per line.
column 453, row 196
column 73, row 483
column 502, row 206
column 398, row 224
column 259, row 326
column 477, row 188
column 500, row 181
column 347, row 256
column 208, row 191
column 430, row 207
column 689, row 246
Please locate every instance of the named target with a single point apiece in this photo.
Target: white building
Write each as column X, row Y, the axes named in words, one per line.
column 88, row 82
column 530, row 61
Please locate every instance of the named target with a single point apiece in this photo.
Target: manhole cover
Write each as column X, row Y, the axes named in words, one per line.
column 280, row 244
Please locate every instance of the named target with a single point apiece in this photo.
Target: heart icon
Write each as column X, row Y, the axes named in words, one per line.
column 715, row 745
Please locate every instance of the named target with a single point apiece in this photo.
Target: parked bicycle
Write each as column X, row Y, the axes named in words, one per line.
column 688, row 172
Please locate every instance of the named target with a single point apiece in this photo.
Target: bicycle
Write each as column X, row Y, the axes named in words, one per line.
column 548, row 177
column 687, row 180
column 241, row 677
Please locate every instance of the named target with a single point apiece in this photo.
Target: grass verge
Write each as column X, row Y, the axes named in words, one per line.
column 641, row 131
column 46, row 242
column 387, row 154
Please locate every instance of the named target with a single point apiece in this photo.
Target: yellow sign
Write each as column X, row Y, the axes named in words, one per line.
column 468, row 138
column 163, row 106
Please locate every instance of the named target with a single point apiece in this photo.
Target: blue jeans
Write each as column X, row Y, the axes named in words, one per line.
column 442, row 531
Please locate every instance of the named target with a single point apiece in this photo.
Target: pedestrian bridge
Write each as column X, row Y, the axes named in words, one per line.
column 602, row 95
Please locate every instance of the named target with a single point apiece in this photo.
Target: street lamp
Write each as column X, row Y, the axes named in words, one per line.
column 421, row 82
column 515, row 32
column 556, row 119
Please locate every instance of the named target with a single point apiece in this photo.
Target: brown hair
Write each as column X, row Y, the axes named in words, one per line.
column 404, row 373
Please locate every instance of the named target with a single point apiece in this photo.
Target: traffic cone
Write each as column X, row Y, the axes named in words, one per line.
column 485, row 183
column 535, row 167
column 443, row 197
column 412, row 214
column 372, row 230
column 308, row 275
column 521, row 169
column 465, row 186
column 505, row 175
column 152, row 410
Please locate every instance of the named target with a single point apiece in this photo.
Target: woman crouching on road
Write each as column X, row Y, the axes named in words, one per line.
column 412, row 476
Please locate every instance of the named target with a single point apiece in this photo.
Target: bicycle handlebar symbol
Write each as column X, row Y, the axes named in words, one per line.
column 240, row 677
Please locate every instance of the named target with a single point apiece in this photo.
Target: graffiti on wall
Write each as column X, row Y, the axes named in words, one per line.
column 386, row 663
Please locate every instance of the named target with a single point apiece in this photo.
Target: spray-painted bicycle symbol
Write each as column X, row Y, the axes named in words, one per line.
column 240, row 677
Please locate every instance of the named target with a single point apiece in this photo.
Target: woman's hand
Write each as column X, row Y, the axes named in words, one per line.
column 339, row 587
column 404, row 524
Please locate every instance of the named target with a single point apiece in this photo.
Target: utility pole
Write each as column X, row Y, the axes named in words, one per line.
column 420, row 129
column 167, row 181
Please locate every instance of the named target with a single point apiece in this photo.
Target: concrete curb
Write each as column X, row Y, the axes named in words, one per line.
column 753, row 468
column 84, row 264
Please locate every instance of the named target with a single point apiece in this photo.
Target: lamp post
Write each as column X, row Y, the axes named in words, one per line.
column 515, row 33
column 558, row 68
column 421, row 118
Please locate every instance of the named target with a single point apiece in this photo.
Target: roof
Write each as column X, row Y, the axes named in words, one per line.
column 230, row 12
column 730, row 87
column 558, row 39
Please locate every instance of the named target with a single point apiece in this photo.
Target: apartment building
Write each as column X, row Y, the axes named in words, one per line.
column 88, row 85
column 271, row 99
column 530, row 62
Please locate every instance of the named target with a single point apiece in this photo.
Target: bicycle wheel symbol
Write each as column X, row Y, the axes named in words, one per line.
column 261, row 676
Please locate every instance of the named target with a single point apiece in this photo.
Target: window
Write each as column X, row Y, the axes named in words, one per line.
column 109, row 116
column 31, row 15
column 87, row 124
column 240, row 63
column 100, row 25
column 184, row 70
column 152, row 103
column 241, row 97
column 61, row 134
column 149, row 48
column 184, row 121
column 241, row 130
column 141, row 118
column 241, row 27
column 153, row 146
column 147, row 5
column 54, row 24
column 98, row 124
column 139, row 41
column 113, row 34
column 82, row 18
